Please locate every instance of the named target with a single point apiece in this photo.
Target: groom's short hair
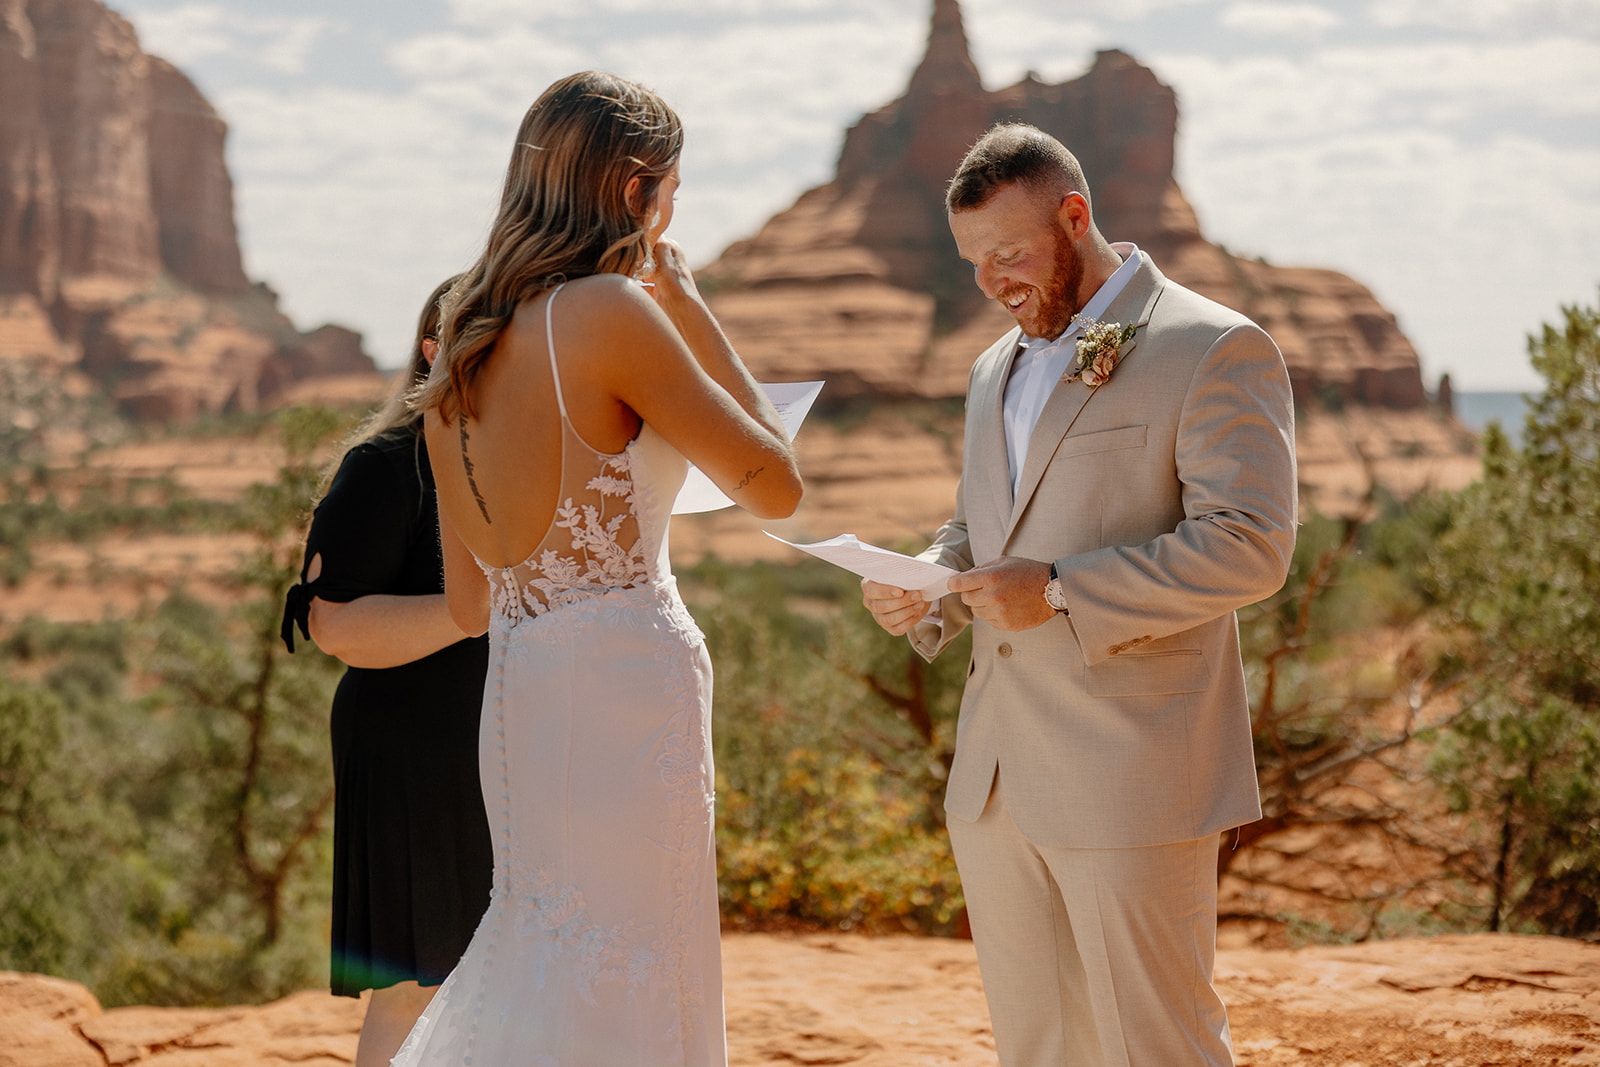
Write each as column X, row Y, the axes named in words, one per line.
column 1014, row 152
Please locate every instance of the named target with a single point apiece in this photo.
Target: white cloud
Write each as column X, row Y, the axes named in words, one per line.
column 1453, row 169
column 359, row 202
column 1472, row 243
column 191, row 32
column 1500, row 17
column 348, row 187
column 1006, row 45
column 182, row 35
column 286, row 43
column 1034, row 10
column 1275, row 98
column 1412, row 169
column 503, row 12
column 1264, row 19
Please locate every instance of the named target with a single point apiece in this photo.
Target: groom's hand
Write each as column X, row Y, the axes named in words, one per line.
column 1007, row 593
column 896, row 610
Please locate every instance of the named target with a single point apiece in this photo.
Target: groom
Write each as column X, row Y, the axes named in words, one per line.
column 1110, row 519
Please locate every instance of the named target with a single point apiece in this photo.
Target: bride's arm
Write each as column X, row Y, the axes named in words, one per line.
column 676, row 293
column 700, row 399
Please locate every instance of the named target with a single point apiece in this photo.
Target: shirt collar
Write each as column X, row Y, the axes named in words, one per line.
column 1109, row 290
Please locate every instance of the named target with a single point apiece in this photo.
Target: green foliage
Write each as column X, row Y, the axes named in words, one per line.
column 32, row 510
column 1345, row 687
column 240, row 809
column 173, row 847
column 833, row 843
column 58, row 838
column 1516, row 573
column 1314, row 689
column 246, row 796
column 832, row 744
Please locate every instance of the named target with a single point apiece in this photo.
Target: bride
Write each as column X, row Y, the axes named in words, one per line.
column 564, row 400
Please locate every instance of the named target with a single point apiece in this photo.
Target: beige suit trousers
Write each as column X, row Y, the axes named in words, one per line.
column 1093, row 957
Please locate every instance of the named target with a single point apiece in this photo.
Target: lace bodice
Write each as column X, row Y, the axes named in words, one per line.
column 610, row 524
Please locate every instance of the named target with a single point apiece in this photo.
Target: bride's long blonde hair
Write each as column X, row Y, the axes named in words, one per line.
column 564, row 213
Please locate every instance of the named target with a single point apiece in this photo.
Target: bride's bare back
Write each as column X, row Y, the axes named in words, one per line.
column 622, row 360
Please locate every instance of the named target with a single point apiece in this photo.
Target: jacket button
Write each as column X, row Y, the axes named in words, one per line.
column 1005, row 651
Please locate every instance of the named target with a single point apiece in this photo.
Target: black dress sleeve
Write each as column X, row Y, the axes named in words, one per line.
column 362, row 529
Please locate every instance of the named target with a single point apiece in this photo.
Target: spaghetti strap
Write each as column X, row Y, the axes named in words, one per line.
column 550, row 345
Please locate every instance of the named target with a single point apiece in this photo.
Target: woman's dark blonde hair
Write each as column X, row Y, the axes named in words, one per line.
column 564, row 213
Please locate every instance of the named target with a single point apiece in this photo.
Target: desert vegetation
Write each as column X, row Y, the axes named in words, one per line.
column 1425, row 691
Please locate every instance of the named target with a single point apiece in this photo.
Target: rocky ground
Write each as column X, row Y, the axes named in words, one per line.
column 1461, row 1001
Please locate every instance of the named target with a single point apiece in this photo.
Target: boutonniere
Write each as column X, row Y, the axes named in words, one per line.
column 1099, row 350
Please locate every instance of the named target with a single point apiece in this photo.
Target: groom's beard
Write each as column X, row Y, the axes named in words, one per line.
column 1058, row 302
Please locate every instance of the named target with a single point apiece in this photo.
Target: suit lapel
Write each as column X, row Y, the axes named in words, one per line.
column 1067, row 401
column 988, row 413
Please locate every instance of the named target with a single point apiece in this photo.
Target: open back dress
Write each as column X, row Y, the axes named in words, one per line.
column 600, row 947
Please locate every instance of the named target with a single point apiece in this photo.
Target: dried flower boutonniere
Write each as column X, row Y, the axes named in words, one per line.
column 1099, row 349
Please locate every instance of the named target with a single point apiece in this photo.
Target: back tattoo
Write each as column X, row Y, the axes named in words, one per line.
column 466, row 461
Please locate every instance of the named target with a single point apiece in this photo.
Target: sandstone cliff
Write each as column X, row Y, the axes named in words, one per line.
column 859, row 281
column 118, row 248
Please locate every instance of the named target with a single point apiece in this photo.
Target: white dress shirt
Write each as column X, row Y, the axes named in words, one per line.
column 1040, row 363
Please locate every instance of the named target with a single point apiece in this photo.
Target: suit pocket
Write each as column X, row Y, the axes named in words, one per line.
column 1133, row 674
column 1102, row 441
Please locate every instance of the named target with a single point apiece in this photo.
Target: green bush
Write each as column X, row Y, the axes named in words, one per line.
column 834, row 843
column 832, row 744
column 173, row 846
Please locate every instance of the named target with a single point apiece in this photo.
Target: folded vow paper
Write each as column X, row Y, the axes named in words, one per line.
column 881, row 565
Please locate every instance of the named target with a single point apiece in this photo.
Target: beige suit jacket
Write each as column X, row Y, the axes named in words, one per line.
column 1166, row 498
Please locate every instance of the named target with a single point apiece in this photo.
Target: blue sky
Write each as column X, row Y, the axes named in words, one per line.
column 1444, row 152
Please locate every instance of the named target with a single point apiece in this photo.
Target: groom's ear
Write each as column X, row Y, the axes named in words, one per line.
column 1073, row 216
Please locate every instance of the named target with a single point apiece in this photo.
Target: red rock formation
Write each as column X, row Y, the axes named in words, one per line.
column 90, row 90
column 114, row 158
column 189, row 185
column 859, row 281
column 116, row 221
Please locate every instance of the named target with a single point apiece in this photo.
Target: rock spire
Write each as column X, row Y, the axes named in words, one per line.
column 860, row 282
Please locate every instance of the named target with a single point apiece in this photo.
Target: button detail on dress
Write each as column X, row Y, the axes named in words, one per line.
column 1004, row 650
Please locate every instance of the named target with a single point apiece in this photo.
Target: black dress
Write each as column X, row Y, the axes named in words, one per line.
column 412, row 862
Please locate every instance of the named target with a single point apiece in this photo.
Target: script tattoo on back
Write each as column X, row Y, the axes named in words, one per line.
column 466, row 461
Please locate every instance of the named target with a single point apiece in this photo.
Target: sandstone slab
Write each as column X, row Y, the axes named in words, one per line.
column 1479, row 1000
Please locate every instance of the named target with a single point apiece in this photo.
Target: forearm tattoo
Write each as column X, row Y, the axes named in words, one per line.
column 466, row 461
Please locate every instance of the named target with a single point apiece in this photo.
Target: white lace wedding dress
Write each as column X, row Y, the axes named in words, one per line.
column 600, row 947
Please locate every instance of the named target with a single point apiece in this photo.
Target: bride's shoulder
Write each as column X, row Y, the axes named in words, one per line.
column 610, row 304
column 587, row 302
column 603, row 289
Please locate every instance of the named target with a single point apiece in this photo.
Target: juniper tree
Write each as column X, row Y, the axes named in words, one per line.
column 1517, row 575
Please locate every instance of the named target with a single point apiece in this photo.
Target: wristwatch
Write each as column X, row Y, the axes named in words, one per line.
column 1053, row 594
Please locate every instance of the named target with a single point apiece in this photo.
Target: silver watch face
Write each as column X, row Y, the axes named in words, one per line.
column 1054, row 596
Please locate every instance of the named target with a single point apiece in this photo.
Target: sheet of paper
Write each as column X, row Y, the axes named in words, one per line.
column 880, row 564
column 793, row 401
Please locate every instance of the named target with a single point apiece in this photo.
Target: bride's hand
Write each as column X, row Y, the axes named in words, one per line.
column 673, row 282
